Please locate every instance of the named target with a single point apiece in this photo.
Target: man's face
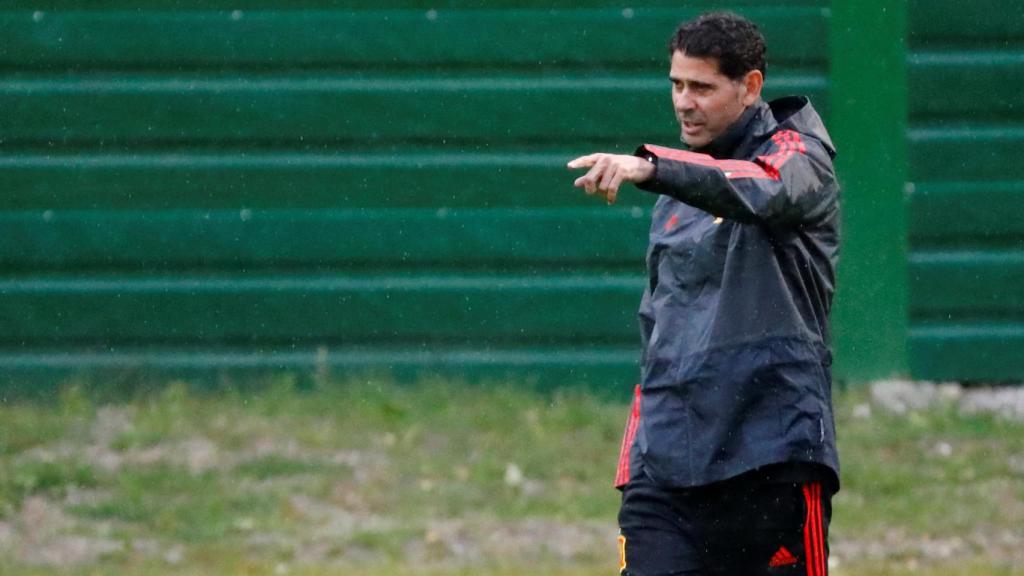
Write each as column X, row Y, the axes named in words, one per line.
column 706, row 101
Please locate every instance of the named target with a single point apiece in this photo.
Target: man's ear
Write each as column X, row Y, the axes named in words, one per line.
column 753, row 81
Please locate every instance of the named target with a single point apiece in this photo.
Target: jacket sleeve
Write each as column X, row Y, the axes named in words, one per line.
column 793, row 182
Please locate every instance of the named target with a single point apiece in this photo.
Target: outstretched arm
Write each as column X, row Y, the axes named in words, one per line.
column 608, row 172
column 794, row 182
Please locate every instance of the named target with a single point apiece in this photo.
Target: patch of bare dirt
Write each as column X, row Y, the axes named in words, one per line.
column 531, row 540
column 896, row 547
column 42, row 535
column 904, row 396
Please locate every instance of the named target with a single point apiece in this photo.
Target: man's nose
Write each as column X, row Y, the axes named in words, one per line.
column 683, row 101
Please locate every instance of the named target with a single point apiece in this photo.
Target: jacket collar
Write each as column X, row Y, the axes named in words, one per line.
column 743, row 135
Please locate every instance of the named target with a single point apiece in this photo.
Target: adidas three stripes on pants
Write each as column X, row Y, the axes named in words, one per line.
column 740, row 527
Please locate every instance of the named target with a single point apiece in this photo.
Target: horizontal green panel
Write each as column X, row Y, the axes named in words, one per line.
column 292, row 180
column 354, row 111
column 966, row 213
column 330, row 310
column 966, row 152
column 953, row 285
column 977, row 22
column 425, row 5
column 607, row 368
column 247, row 239
column 979, row 85
column 981, row 352
column 288, row 39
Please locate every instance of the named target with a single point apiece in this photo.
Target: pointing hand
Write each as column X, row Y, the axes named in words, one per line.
column 608, row 172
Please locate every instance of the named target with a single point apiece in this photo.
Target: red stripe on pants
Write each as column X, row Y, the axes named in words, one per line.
column 814, row 535
column 622, row 473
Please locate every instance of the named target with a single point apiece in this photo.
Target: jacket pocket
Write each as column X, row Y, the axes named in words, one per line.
column 799, row 401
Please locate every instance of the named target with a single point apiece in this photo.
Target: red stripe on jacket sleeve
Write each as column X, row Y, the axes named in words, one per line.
column 787, row 144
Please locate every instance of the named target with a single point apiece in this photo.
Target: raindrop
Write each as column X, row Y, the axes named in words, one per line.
column 37, row 16
column 236, row 15
column 627, row 13
column 432, row 15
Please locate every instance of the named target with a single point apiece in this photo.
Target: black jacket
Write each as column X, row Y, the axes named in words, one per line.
column 734, row 320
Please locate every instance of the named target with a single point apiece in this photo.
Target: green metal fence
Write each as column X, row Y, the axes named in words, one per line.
column 368, row 185
column 965, row 66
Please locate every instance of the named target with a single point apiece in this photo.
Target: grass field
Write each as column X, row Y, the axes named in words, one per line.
column 441, row 479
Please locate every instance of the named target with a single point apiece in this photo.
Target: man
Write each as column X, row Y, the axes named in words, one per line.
column 729, row 463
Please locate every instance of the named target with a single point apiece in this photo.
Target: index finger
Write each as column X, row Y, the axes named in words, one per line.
column 583, row 161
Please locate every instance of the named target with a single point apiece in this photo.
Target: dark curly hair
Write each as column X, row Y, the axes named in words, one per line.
column 731, row 39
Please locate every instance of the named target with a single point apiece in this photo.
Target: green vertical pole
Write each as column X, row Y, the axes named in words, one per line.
column 868, row 103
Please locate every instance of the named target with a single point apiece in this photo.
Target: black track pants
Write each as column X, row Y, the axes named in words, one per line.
column 739, row 527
